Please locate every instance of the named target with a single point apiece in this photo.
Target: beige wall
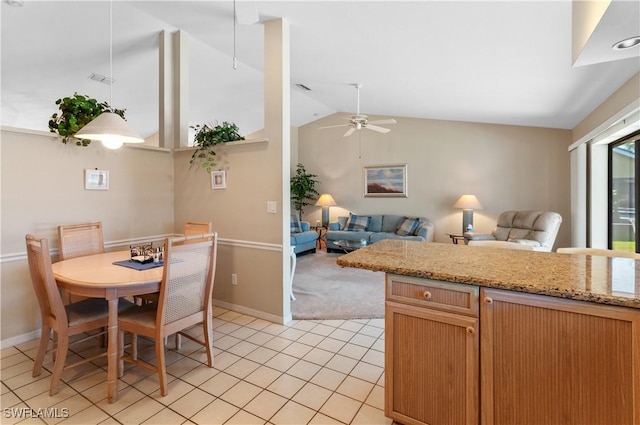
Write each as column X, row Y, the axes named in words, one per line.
column 42, row 184
column 506, row 167
column 252, row 242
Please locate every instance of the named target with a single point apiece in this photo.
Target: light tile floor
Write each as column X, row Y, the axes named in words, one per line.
column 305, row 372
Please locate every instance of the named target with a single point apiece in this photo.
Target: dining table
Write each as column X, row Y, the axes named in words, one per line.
column 97, row 276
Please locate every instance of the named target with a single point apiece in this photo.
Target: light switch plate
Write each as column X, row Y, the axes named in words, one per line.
column 272, row 207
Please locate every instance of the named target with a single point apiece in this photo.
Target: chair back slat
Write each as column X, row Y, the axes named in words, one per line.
column 193, row 228
column 44, row 284
column 188, row 276
column 77, row 240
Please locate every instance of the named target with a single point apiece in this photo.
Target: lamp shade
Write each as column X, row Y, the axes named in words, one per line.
column 468, row 202
column 111, row 129
column 325, row 200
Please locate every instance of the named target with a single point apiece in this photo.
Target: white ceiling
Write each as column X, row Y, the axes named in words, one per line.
column 506, row 62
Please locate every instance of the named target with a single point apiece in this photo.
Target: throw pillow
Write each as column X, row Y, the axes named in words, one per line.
column 422, row 221
column 357, row 223
column 295, row 224
column 407, row 226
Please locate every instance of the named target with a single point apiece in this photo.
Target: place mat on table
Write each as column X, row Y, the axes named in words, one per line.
column 137, row 265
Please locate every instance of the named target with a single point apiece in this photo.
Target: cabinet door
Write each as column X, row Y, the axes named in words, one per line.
column 431, row 366
column 546, row 360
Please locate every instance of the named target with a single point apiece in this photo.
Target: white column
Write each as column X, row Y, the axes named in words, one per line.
column 174, row 89
column 277, row 119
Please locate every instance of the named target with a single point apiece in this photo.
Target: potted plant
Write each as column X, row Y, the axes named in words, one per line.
column 76, row 112
column 303, row 189
column 208, row 136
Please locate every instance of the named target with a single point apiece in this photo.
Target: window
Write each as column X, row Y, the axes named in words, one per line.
column 624, row 166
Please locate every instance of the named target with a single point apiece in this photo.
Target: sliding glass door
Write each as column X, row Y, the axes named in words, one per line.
column 624, row 167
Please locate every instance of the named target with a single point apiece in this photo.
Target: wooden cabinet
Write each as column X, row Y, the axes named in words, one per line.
column 457, row 354
column 546, row 360
column 431, row 345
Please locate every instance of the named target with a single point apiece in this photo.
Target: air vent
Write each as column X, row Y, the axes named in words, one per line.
column 303, row 87
column 101, row 79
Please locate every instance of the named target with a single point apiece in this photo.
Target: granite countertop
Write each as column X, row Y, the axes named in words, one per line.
column 614, row 281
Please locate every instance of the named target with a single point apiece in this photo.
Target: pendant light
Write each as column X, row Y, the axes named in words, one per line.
column 110, row 128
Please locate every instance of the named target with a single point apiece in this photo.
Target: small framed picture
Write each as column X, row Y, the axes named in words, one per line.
column 96, row 179
column 218, row 180
column 385, row 180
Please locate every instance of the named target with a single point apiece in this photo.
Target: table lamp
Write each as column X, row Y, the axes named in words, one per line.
column 468, row 203
column 325, row 201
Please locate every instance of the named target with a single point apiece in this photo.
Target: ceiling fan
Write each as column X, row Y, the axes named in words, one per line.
column 358, row 122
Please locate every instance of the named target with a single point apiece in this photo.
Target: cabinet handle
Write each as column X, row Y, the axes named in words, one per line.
column 488, row 300
column 470, row 330
column 427, row 295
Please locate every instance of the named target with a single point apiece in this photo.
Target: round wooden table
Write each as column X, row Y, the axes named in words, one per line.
column 96, row 276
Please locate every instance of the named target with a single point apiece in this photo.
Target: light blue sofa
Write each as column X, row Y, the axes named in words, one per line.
column 381, row 226
column 304, row 241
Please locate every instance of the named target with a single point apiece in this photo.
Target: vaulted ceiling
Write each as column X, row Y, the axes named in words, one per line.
column 507, row 62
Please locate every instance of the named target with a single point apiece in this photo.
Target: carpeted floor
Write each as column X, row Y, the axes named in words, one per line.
column 324, row 290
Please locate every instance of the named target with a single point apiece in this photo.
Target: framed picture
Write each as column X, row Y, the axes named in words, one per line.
column 96, row 179
column 385, row 180
column 218, row 180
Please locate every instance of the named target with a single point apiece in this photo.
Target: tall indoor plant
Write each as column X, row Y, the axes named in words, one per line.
column 303, row 189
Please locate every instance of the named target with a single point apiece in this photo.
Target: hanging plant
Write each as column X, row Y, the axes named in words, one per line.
column 207, row 136
column 76, row 112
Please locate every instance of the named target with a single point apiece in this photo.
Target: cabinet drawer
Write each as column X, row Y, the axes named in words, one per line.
column 438, row 295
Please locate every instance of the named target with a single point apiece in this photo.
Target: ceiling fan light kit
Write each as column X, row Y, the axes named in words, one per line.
column 359, row 121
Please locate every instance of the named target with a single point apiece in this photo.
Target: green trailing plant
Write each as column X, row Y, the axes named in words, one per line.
column 207, row 137
column 303, row 189
column 75, row 112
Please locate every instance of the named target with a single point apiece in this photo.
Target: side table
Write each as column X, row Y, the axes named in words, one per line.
column 322, row 231
column 456, row 237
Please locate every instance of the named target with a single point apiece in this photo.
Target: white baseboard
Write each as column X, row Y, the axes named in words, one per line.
column 283, row 320
column 19, row 339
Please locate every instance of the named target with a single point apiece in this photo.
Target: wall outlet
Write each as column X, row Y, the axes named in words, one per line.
column 234, row 279
column 272, row 207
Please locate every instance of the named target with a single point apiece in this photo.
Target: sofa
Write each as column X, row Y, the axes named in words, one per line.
column 376, row 227
column 303, row 238
column 537, row 229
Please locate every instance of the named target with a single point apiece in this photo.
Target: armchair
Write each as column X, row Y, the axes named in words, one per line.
column 537, row 229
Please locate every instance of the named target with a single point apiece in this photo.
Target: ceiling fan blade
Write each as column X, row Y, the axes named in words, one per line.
column 349, row 132
column 378, row 129
column 334, row 126
column 387, row 121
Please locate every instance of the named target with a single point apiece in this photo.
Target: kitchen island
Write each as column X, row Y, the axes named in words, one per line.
column 494, row 336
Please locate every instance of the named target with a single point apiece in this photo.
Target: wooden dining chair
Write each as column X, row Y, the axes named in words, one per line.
column 192, row 228
column 77, row 240
column 185, row 301
column 598, row 251
column 65, row 321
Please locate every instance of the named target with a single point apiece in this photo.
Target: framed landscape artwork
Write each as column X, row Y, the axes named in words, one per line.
column 385, row 180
